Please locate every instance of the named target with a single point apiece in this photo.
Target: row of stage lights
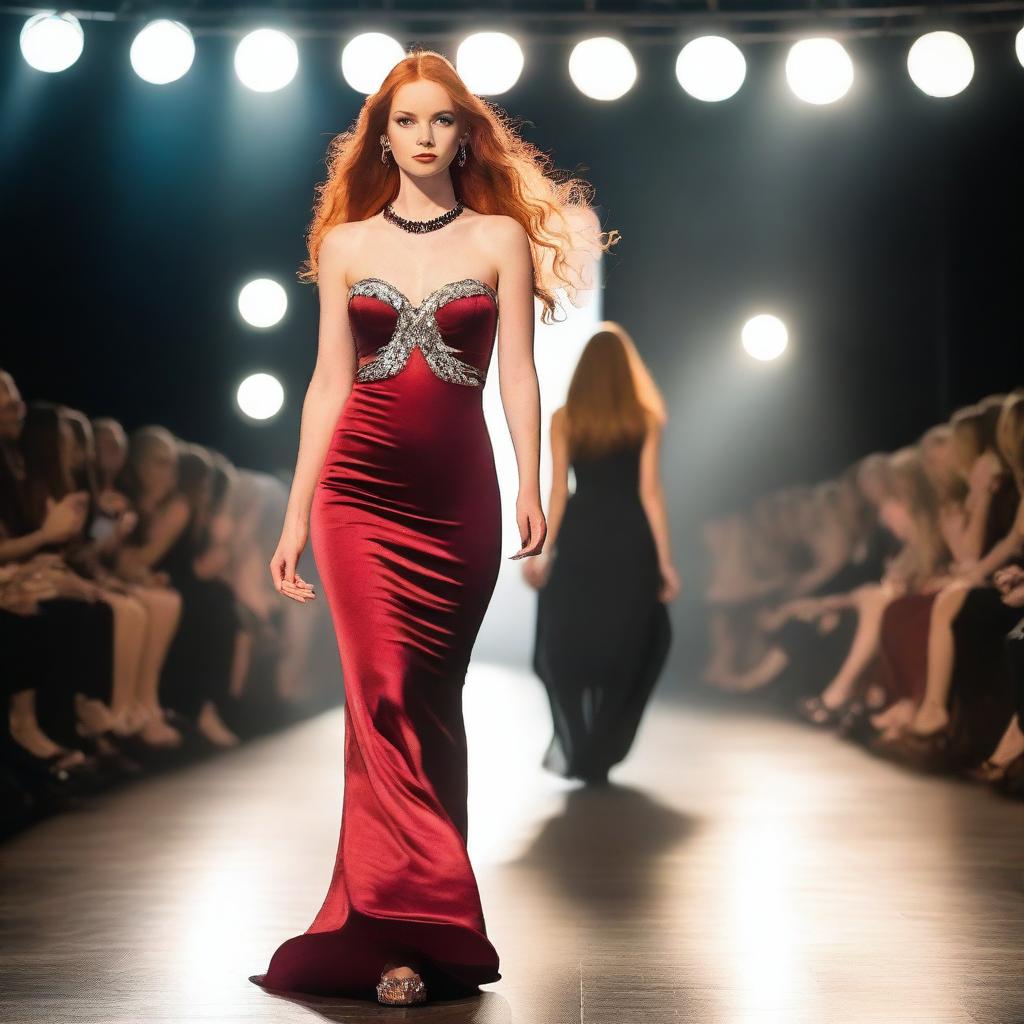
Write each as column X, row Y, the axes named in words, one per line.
column 711, row 68
column 263, row 302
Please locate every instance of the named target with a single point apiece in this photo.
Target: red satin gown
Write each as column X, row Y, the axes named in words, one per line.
column 406, row 532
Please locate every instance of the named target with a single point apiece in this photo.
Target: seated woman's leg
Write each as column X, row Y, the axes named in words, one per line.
column 933, row 714
column 143, row 713
column 870, row 602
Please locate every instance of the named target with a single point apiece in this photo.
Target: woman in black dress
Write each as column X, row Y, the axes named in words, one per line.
column 603, row 631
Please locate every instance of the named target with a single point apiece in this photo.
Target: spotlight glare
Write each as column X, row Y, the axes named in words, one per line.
column 262, row 302
column 1020, row 46
column 765, row 337
column 602, row 68
column 367, row 59
column 266, row 60
column 819, row 70
column 260, row 396
column 941, row 64
column 51, row 42
column 711, row 68
column 489, row 62
column 163, row 51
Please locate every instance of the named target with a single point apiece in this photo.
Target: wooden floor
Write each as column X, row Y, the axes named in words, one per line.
column 742, row 870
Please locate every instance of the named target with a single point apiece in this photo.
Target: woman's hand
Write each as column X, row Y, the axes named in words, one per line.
column 70, row 584
column 126, row 522
column 1008, row 578
column 671, row 584
column 64, row 519
column 282, row 566
column 113, row 502
column 532, row 525
column 537, row 569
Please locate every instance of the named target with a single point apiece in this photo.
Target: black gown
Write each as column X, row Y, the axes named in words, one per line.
column 602, row 636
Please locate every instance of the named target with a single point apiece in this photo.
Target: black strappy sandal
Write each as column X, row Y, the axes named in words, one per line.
column 815, row 711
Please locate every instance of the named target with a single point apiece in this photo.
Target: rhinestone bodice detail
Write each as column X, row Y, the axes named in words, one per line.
column 417, row 326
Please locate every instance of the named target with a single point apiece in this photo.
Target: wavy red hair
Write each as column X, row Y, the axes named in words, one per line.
column 503, row 175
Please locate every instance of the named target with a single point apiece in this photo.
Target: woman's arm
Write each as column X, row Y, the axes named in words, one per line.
column 165, row 529
column 517, row 374
column 652, row 495
column 333, row 374
column 827, row 563
column 1001, row 552
column 559, row 475
column 13, row 549
column 329, row 388
column 982, row 484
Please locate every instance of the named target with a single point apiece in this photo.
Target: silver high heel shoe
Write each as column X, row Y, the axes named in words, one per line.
column 401, row 991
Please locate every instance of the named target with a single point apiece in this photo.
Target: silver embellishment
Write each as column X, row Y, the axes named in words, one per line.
column 417, row 325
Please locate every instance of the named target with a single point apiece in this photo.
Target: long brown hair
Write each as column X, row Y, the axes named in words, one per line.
column 47, row 473
column 503, row 175
column 612, row 397
column 906, row 480
column 1010, row 435
column 972, row 431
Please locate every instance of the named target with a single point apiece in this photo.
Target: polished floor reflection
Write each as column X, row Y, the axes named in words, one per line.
column 740, row 869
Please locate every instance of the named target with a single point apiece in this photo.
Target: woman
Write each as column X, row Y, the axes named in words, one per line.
column 806, row 641
column 434, row 215
column 170, row 486
column 909, row 510
column 143, row 715
column 969, row 619
column 603, row 630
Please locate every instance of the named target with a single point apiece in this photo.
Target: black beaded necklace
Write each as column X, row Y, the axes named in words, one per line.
column 418, row 226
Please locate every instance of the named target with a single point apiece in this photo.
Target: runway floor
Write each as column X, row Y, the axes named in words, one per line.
column 741, row 870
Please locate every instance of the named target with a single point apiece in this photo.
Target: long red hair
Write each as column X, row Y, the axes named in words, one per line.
column 503, row 175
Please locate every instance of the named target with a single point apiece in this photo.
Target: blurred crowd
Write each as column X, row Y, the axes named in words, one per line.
column 888, row 604
column 139, row 624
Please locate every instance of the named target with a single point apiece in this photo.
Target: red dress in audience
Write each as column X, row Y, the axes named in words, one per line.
column 903, row 646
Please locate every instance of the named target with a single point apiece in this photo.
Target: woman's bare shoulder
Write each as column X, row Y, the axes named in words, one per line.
column 499, row 228
column 339, row 237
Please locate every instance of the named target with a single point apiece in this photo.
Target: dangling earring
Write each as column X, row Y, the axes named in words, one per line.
column 462, row 154
column 385, row 148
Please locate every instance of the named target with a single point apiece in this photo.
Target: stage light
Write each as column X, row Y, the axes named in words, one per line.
column 765, row 337
column 262, row 302
column 602, row 68
column 1020, row 46
column 711, row 68
column 941, row 64
column 266, row 60
column 489, row 63
column 367, row 59
column 163, row 51
column 260, row 396
column 51, row 41
column 819, row 70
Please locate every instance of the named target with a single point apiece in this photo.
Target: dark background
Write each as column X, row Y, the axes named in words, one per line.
column 886, row 230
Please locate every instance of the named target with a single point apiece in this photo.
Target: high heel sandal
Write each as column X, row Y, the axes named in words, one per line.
column 401, row 991
column 815, row 711
column 988, row 771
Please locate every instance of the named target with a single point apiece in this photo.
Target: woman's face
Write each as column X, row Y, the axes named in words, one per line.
column 423, row 120
column 158, row 470
column 111, row 452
